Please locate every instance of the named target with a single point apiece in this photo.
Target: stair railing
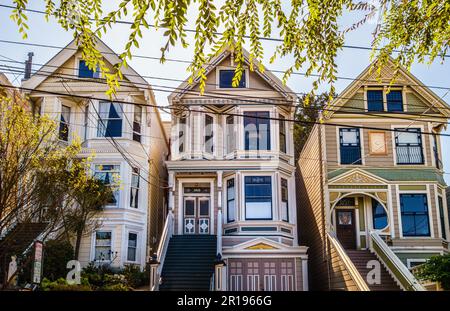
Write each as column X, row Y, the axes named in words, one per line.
column 161, row 252
column 349, row 266
column 393, row 264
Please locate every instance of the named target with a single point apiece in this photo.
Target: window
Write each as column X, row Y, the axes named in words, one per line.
column 102, row 246
column 375, row 100
column 85, row 72
column 137, row 121
column 379, row 215
column 350, row 146
column 226, row 79
column 414, row 213
column 257, row 130
column 394, row 101
column 442, row 217
column 408, row 146
column 231, row 201
column 230, row 132
column 209, row 134
column 134, row 188
column 132, row 246
column 64, row 123
column 258, row 197
column 282, row 125
column 181, row 134
column 110, row 123
column 377, row 143
column 110, row 175
column 284, row 200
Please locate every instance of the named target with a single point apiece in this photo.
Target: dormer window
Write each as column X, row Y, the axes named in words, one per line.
column 85, row 72
column 226, row 79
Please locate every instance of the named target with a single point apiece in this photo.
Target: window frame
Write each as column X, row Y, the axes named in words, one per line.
column 244, row 184
column 401, row 100
column 230, row 133
column 370, row 90
column 119, row 171
column 360, row 144
column 441, row 209
column 95, row 75
column 65, row 123
column 282, row 125
column 101, row 121
column 399, row 130
column 228, row 200
column 373, row 215
column 135, row 248
column 427, row 214
column 181, row 130
column 257, row 125
column 94, row 245
column 282, row 180
column 212, row 136
column 137, row 126
column 136, row 172
column 244, row 74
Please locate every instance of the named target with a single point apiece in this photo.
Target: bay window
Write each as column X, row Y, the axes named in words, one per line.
column 258, row 197
column 414, row 214
column 102, row 246
column 64, row 123
column 109, row 174
column 209, row 134
column 134, row 188
column 231, row 201
column 137, row 123
column 284, row 200
column 257, row 130
column 132, row 246
column 110, row 122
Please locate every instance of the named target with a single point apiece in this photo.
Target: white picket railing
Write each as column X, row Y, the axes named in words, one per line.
column 162, row 249
column 350, row 267
column 398, row 270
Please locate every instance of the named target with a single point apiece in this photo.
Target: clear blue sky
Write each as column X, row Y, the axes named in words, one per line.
column 350, row 61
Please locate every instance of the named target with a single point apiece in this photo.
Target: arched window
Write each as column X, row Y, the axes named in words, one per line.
column 379, row 215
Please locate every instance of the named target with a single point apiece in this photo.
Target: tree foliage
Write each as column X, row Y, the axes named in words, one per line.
column 308, row 30
column 436, row 269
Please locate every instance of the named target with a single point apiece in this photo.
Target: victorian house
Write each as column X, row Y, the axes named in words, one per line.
column 232, row 222
column 371, row 188
column 126, row 138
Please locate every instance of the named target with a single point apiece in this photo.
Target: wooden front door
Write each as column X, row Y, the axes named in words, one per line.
column 196, row 215
column 345, row 227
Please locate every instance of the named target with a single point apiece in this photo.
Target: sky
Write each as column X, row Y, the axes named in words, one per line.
column 350, row 61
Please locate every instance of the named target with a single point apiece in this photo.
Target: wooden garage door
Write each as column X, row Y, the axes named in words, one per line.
column 261, row 274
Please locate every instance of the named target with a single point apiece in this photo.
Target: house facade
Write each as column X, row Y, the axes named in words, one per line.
column 232, row 185
column 126, row 140
column 371, row 183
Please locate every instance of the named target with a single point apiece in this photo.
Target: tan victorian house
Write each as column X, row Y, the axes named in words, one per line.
column 372, row 186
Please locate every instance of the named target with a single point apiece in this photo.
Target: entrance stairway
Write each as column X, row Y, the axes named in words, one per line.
column 16, row 241
column 360, row 258
column 189, row 263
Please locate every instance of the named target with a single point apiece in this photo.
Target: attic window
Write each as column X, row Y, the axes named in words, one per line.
column 226, row 79
column 85, row 72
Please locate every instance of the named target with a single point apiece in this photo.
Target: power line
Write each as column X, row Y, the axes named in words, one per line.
column 190, row 62
column 189, row 30
column 228, row 113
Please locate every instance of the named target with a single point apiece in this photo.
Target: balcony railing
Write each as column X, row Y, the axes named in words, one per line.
column 351, row 155
column 409, row 154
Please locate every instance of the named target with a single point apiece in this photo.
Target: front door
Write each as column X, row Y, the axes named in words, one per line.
column 196, row 215
column 345, row 228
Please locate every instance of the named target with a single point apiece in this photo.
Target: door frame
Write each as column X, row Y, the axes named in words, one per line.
column 212, row 207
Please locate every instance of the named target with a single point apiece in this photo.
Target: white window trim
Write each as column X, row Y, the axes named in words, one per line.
column 98, row 122
column 272, row 128
column 141, row 133
column 187, row 140
column 247, row 78
column 384, row 89
column 286, row 134
column 93, row 244
column 70, row 122
column 274, row 196
column 424, row 145
column 139, row 207
column 228, row 154
column 138, row 240
column 409, row 261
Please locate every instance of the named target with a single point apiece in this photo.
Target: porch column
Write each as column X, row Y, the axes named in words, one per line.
column 219, row 213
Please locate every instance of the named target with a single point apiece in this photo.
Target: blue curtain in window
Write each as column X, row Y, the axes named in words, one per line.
column 379, row 215
column 226, row 79
column 394, row 101
column 375, row 100
column 110, row 124
column 414, row 212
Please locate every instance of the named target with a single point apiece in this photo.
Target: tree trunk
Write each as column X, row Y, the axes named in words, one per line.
column 78, row 243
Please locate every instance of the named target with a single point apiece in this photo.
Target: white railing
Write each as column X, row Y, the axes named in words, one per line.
column 393, row 264
column 350, row 267
column 162, row 250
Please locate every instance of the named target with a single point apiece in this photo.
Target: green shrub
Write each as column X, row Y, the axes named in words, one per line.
column 62, row 285
column 436, row 269
column 56, row 255
column 135, row 277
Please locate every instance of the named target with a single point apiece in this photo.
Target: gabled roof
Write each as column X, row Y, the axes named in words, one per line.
column 212, row 63
column 70, row 50
column 408, row 78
